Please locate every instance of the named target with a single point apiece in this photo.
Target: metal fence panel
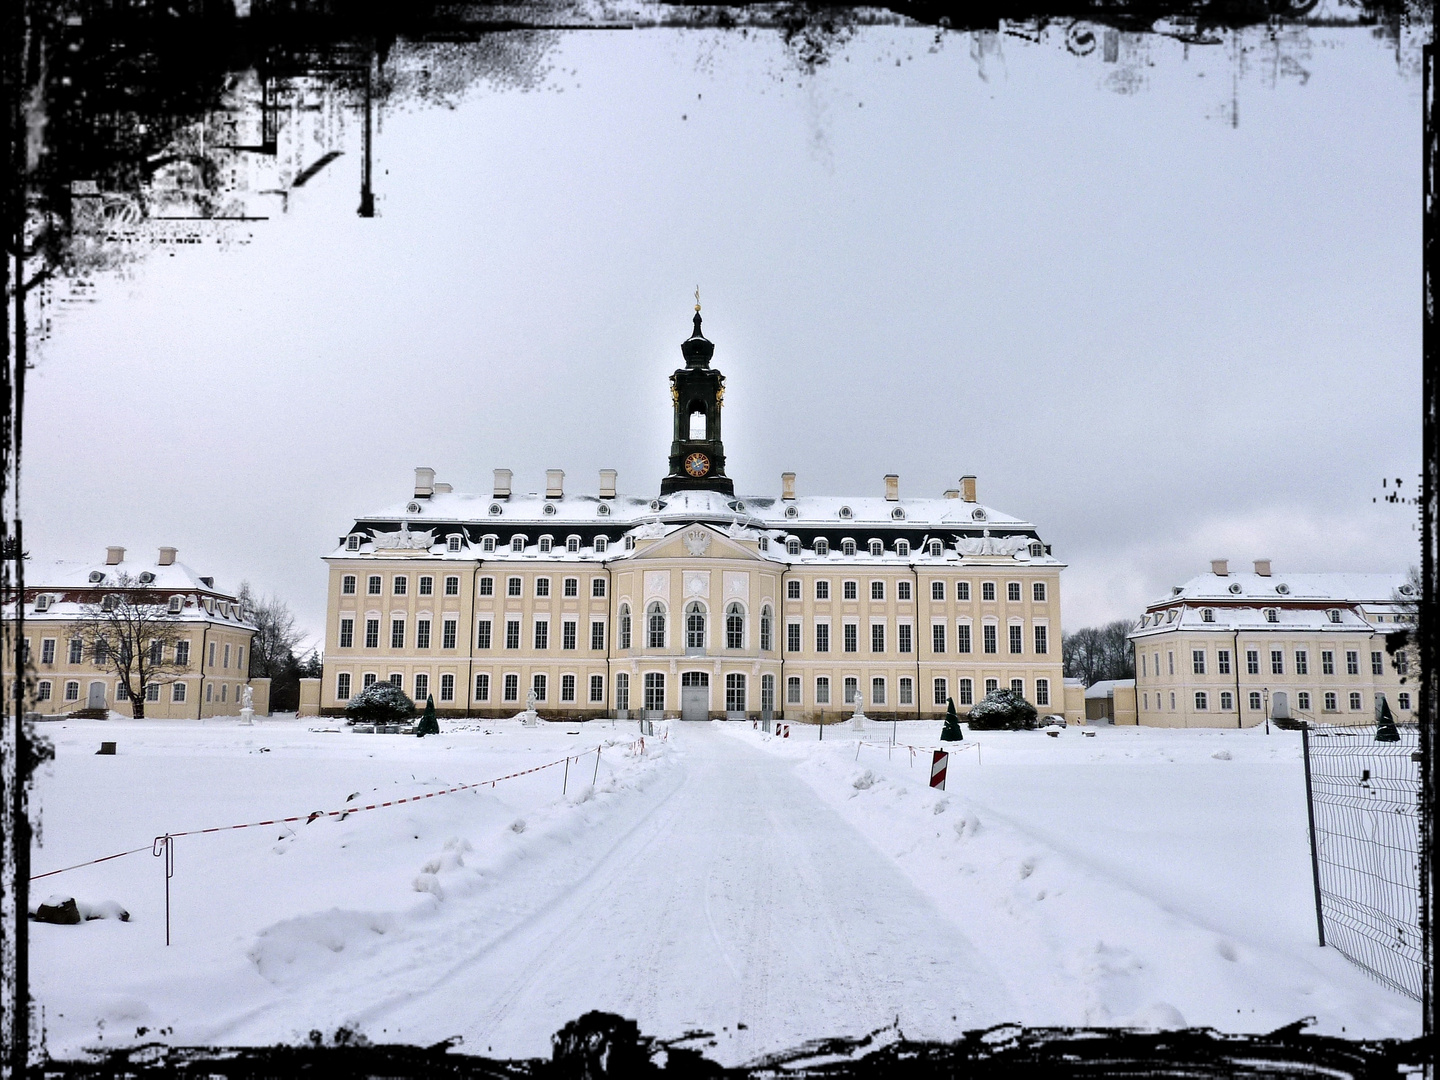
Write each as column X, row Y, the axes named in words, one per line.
column 1365, row 803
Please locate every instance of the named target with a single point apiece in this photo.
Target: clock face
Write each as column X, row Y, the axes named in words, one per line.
column 697, row 464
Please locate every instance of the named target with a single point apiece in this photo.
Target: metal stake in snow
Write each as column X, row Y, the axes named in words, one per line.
column 597, row 767
column 565, row 783
column 937, row 769
column 164, row 847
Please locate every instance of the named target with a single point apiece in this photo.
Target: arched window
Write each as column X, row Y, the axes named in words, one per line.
column 847, row 546
column 695, row 626
column 697, row 422
column 517, row 543
column 766, row 622
column 572, row 544
column 877, row 547
column 792, row 546
column 735, row 626
column 902, row 548
column 655, row 619
column 624, row 626
column 936, row 549
column 822, row 547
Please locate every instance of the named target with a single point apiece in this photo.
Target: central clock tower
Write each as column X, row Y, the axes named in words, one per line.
column 697, row 455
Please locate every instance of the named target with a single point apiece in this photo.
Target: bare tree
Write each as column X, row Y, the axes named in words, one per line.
column 272, row 649
column 133, row 635
column 1404, row 645
column 1096, row 653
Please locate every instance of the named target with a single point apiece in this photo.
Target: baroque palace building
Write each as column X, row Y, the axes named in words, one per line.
column 693, row 602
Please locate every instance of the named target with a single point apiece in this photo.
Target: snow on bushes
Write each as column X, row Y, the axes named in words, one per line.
column 380, row 702
column 1003, row 709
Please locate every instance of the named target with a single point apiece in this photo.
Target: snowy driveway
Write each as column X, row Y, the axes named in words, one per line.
column 727, row 893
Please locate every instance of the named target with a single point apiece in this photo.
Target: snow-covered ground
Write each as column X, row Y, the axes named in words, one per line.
column 767, row 890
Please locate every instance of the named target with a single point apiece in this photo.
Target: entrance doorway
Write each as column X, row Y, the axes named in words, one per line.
column 96, row 700
column 694, row 695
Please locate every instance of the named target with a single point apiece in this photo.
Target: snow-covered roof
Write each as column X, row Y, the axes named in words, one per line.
column 68, row 587
column 1335, row 588
column 1105, row 687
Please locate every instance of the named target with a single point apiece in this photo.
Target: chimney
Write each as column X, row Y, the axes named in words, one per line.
column 967, row 488
column 1220, row 567
column 442, row 489
column 1262, row 567
column 787, row 486
column 554, row 483
column 114, row 556
column 892, row 487
column 607, row 483
column 952, row 493
column 167, row 556
column 502, row 483
column 424, row 483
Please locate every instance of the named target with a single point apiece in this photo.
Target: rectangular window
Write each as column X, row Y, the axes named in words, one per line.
column 1352, row 663
column 1012, row 591
column 427, row 585
column 72, row 691
column 542, row 586
column 907, row 690
column 735, row 699
column 401, row 584
column 1037, row 592
column 937, row 590
column 1403, row 700
column 877, row 590
column 452, row 586
column 1042, row 691
column 512, row 687
column 447, row 687
column 792, row 590
column 512, row 633
column 177, row 691
column 822, row 691
column 851, row 590
column 1277, row 662
column 877, row 637
column 157, row 653
column 1017, row 639
column 541, row 685
column 1355, row 702
column 1377, row 663
column 1330, row 705
column 902, row 590
column 852, row 636
column 482, row 634
column 542, row 634
column 1302, row 662
column 368, row 679
column 962, row 590
column 1327, row 662
column 822, row 637
column 347, row 634
column 422, row 633
column 989, row 634
column 347, row 585
column 987, row 590
column 792, row 690
column 569, row 634
column 1252, row 662
column 372, row 585
column 877, row 691
column 597, row 587
column 397, row 633
column 448, row 633
column 122, row 692
column 152, row 692
column 792, row 637
column 622, row 691
column 904, row 638
column 937, row 638
column 1227, row 701
column 597, row 635
column 572, row 586
column 1144, row 665
column 1302, row 701
column 1017, row 686
column 942, row 692
column 567, row 687
column 597, row 688
column 47, row 651
column 822, row 590
column 654, row 691
column 487, row 586
column 962, row 638
column 513, row 586
column 967, row 691
column 991, row 685
column 482, row 687
column 1255, row 703
column 422, row 687
column 226, row 655
column 1202, row 701
column 1197, row 661
column 1222, row 661
column 372, row 633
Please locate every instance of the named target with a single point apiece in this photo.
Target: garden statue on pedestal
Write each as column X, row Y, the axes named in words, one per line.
column 247, row 711
column 529, row 717
column 857, row 719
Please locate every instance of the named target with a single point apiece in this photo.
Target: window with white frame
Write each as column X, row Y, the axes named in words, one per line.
column 486, row 586
column 655, row 625
column 352, row 542
column 427, row 585
column 1355, row 702
column 1042, row 691
column 397, row 633
column 597, row 688
column 546, row 543
column 937, row 549
column 1012, row 591
column 767, row 620
column 877, row 590
column 847, row 547
column 517, row 544
column 906, row 690
column 487, row 544
column 572, row 544
column 792, row 690
column 902, row 548
column 1197, row 661
column 962, row 591
column 512, row 633
column 347, row 633
column 850, row 590
column 72, row 691
column 877, row 691
column 482, row 686
column 1202, row 700
column 422, row 633
column 967, row 691
column 1042, row 640
column 542, row 634
column 372, row 634
column 904, row 638
column 987, row 591
column 540, row 684
column 569, row 634
column 622, row 690
column 402, row 583
column 452, row 586
column 1255, row 703
column 597, row 635
column 1330, row 702
column 851, row 637
column 1017, row 638
column 941, row 688
column 1017, row 686
column 1352, row 663
column 513, row 586
column 373, row 585
column 1302, row 701
column 792, row 546
column 877, row 637
column 571, row 587
column 422, row 686
column 1403, row 700
column 567, row 687
column 822, row 690
column 1333, row 615
column 877, row 547
column 1272, row 615
column 989, row 634
column 792, row 590
column 822, row 590
column 1302, row 662
column 902, row 590
column 937, row 638
column 597, row 588
column 44, row 687
column 822, row 547
column 1227, row 701
column 482, row 634
column 1207, row 614
column 601, row 544
column 512, row 687
column 542, row 587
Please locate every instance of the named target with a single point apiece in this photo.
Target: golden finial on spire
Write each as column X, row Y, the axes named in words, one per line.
column 697, row 297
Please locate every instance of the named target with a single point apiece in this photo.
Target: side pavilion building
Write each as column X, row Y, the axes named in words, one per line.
column 693, row 602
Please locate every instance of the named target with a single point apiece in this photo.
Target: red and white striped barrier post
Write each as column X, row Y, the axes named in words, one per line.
column 937, row 769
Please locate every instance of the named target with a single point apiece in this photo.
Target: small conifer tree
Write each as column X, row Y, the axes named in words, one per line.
column 428, row 724
column 951, row 731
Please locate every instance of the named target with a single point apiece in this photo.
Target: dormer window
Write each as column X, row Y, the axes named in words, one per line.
column 897, row 514
column 146, row 577
column 1235, row 589
column 601, row 543
column 846, row 513
column 42, row 602
column 487, row 544
column 517, row 544
column 763, row 543
column 603, row 510
column 936, row 549
column 545, row 545
column 629, row 543
column 1271, row 615
column 1037, row 550
column 108, row 602
column 549, row 509
column 822, row 547
column 452, row 542
column 1282, row 589
column 1207, row 614
column 177, row 604
column 792, row 512
column 412, row 508
column 1170, row 615
column 572, row 544
column 978, row 514
column 96, row 577
column 1334, row 615
column 847, row 547
column 902, row 548
column 496, row 510
column 352, row 542
column 792, row 546
column 877, row 548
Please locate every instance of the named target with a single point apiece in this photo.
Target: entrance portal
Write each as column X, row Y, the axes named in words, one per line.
column 96, row 700
column 694, row 695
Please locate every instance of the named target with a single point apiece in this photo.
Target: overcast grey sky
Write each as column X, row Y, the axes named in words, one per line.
column 1160, row 335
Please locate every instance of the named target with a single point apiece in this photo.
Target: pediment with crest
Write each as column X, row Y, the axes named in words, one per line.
column 699, row 542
